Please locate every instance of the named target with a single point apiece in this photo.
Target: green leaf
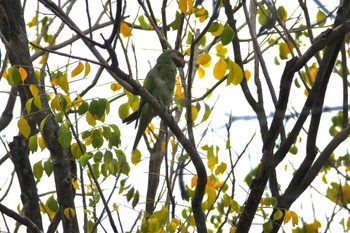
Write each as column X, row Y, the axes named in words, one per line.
column 48, row 168
column 33, row 143
column 37, row 102
column 84, row 159
column 114, row 140
column 227, row 35
column 267, row 227
column 175, row 24
column 42, row 123
column 51, row 203
column 189, row 38
column 97, row 107
column 38, row 170
column 64, row 137
column 206, row 112
column 135, row 200
column 98, row 157
column 278, row 215
column 107, row 156
column 97, row 140
column 83, row 108
column 123, row 110
column 14, row 77
column 130, row 194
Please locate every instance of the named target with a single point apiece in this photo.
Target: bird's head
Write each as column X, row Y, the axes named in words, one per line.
column 177, row 57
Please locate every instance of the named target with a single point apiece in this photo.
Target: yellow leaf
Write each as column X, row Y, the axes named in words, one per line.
column 324, row 179
column 69, row 213
column 178, row 90
column 348, row 223
column 24, row 127
column 220, row 169
column 194, row 181
column 233, row 229
column 87, row 69
column 77, row 70
column 115, row 207
column 34, row 90
column 220, row 50
column 23, row 73
column 284, row 50
column 201, row 72
column 115, row 86
column 204, row 60
column 220, row 69
column 247, row 75
column 295, row 219
column 212, row 160
column 287, row 217
column 186, row 6
column 75, row 183
column 235, row 76
column 42, row 59
column 211, row 193
column 125, row 30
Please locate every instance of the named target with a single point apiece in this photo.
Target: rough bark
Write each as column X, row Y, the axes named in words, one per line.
column 13, row 28
column 29, row 193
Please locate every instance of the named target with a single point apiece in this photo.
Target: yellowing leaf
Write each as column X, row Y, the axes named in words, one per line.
column 41, row 143
column 62, row 81
column 282, row 14
column 23, row 127
column 136, row 157
column 87, row 69
column 219, row 31
column 235, row 76
column 90, row 119
column 77, row 70
column 23, row 73
column 204, row 60
column 115, row 86
column 32, row 23
column 69, row 213
column 125, row 30
column 284, row 50
column 220, row 69
column 34, row 90
column 321, row 16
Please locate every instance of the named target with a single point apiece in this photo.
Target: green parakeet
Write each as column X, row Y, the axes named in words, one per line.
column 159, row 82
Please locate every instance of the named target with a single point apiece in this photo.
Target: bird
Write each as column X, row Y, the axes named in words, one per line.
column 160, row 83
column 271, row 18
